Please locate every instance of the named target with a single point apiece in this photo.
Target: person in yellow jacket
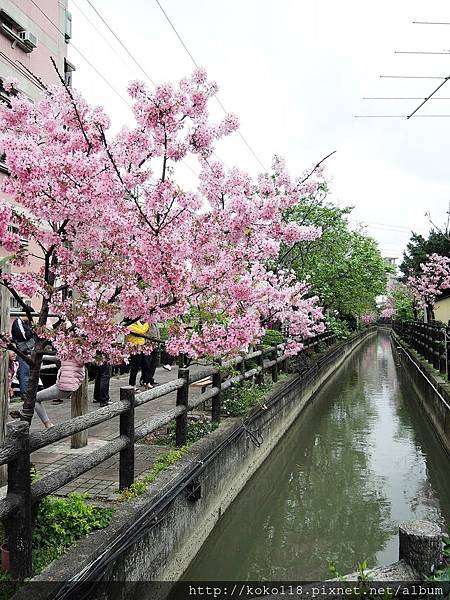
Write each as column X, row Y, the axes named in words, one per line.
column 138, row 360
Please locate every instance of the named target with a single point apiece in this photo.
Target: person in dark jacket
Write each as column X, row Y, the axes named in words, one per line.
column 22, row 335
column 101, row 387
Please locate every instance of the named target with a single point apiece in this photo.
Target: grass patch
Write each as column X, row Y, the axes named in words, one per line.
column 141, row 485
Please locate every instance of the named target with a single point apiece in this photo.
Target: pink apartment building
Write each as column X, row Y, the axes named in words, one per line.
column 31, row 33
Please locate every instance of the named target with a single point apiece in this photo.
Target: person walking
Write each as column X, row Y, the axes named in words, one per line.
column 150, row 361
column 101, row 385
column 23, row 336
column 70, row 377
column 138, row 358
column 13, row 367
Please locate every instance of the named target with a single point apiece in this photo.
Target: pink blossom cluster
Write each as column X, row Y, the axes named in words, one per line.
column 114, row 226
column 368, row 318
column 388, row 312
column 432, row 281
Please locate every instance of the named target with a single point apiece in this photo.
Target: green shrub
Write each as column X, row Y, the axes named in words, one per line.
column 272, row 337
column 338, row 327
column 60, row 522
column 240, row 398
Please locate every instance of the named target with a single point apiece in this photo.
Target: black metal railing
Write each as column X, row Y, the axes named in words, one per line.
column 431, row 341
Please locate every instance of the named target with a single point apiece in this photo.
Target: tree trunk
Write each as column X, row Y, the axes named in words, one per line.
column 33, row 381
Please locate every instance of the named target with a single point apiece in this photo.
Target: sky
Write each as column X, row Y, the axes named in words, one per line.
column 296, row 72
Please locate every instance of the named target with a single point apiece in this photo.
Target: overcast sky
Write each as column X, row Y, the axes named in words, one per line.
column 295, row 71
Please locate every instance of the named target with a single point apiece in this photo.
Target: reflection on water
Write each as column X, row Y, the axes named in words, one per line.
column 360, row 460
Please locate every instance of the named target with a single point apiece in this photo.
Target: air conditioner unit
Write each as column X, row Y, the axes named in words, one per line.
column 28, row 38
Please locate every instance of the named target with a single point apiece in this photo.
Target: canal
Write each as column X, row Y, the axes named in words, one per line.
column 360, row 459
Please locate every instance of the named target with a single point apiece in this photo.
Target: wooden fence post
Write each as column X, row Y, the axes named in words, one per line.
column 18, row 525
column 182, row 400
column 78, row 407
column 259, row 379
column 216, row 403
column 420, row 544
column 274, row 369
column 126, row 461
column 242, row 367
column 4, row 380
column 442, row 351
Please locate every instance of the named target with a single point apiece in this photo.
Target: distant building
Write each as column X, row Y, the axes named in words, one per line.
column 31, row 34
column 391, row 281
column 392, row 277
column 441, row 309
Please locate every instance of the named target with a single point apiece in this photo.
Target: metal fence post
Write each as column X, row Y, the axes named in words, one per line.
column 182, row 400
column 126, row 460
column 18, row 525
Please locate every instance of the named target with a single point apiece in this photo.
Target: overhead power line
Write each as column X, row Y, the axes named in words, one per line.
column 255, row 156
column 141, row 68
column 83, row 56
column 104, row 38
column 410, row 77
column 430, row 23
column 121, row 43
column 400, row 116
column 94, row 68
column 428, row 97
column 402, row 98
column 420, row 52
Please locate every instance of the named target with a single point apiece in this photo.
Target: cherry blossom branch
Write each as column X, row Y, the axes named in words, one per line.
column 74, row 105
column 11, row 345
column 26, row 307
column 314, row 169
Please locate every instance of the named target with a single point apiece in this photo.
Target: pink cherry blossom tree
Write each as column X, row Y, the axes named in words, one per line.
column 432, row 281
column 112, row 225
column 387, row 312
column 368, row 318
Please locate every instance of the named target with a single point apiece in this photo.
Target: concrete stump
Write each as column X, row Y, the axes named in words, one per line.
column 420, row 545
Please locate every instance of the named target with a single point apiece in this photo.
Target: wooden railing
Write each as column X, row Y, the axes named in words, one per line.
column 15, row 508
column 431, row 341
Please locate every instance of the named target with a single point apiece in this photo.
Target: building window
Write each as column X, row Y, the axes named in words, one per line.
column 19, row 36
column 69, row 68
column 5, row 96
column 23, row 240
column 67, row 26
column 15, row 305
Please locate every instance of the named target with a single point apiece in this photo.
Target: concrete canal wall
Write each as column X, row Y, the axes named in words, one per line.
column 432, row 390
column 155, row 536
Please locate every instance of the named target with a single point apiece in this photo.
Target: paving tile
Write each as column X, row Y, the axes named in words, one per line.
column 46, row 457
column 102, row 479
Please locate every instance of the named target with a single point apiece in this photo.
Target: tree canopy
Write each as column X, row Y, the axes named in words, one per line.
column 419, row 248
column 344, row 267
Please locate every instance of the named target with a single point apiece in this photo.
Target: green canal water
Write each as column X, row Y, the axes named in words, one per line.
column 360, row 460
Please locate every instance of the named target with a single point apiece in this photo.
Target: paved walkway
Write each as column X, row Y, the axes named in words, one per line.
column 102, row 481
